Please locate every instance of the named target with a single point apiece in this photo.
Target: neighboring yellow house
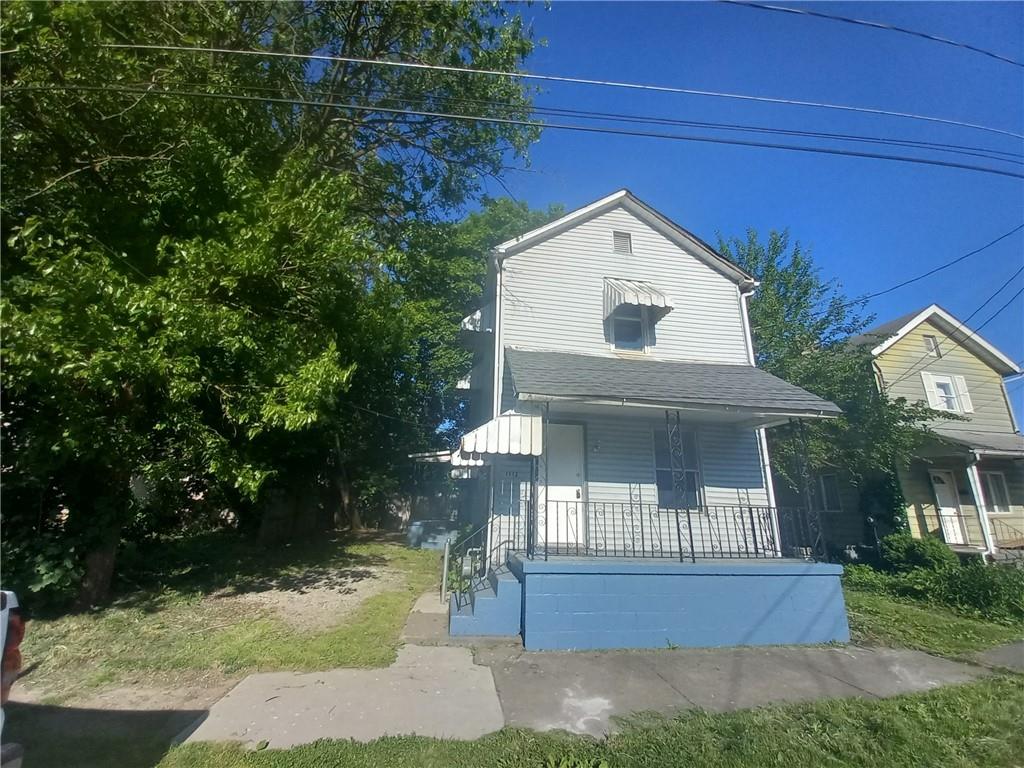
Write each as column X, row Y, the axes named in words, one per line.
column 967, row 484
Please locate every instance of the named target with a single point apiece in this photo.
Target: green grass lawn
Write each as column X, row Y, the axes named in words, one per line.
column 882, row 620
column 178, row 623
column 978, row 724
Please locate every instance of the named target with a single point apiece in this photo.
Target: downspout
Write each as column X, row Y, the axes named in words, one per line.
column 499, row 363
column 762, row 439
column 980, row 503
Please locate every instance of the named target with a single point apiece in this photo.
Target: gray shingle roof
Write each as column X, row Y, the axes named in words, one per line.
column 563, row 374
column 1003, row 442
column 879, row 333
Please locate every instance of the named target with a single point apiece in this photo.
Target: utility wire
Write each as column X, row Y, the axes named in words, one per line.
column 927, row 356
column 929, row 273
column 988, row 153
column 875, row 25
column 562, row 79
column 531, row 124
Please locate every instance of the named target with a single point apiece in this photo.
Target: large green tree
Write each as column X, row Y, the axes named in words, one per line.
column 212, row 284
column 801, row 323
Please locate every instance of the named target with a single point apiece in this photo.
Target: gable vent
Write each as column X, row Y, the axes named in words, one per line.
column 622, row 242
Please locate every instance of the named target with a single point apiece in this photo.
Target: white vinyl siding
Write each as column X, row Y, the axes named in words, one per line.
column 621, row 462
column 553, row 293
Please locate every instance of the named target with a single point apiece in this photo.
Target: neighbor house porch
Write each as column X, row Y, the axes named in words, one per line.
column 968, row 490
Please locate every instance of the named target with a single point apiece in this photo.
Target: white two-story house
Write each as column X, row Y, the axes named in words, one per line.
column 617, row 427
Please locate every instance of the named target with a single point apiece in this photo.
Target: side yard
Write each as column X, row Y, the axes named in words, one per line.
column 194, row 616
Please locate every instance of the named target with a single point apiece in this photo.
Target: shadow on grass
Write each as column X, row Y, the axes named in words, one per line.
column 94, row 738
column 225, row 563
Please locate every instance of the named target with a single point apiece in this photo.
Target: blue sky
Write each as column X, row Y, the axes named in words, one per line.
column 869, row 223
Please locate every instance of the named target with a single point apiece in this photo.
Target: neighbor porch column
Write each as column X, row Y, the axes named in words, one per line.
column 981, row 504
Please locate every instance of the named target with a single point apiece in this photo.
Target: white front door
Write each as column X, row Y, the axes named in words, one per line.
column 948, row 506
column 564, row 508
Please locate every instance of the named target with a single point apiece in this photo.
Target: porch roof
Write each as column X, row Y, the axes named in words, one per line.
column 998, row 443
column 546, row 375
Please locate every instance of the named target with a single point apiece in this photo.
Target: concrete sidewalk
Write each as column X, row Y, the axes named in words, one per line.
column 434, row 690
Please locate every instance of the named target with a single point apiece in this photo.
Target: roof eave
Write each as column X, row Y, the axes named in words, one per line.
column 784, row 413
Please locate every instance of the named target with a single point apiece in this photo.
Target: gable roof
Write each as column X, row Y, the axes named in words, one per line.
column 883, row 336
column 626, row 199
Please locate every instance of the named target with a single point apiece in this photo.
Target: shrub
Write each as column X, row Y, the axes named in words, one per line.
column 867, row 579
column 980, row 591
column 902, row 553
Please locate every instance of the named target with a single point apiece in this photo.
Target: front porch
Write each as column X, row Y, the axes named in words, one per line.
column 969, row 497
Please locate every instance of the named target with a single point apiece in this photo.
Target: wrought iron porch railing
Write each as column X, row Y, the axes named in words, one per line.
column 1006, row 535
column 467, row 562
column 606, row 529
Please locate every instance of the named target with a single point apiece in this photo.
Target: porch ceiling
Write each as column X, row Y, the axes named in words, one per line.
column 742, row 392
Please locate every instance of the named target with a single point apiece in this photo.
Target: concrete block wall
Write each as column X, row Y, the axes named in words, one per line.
column 585, row 603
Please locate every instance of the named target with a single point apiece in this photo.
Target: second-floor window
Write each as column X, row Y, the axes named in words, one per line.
column 947, row 393
column 628, row 328
column 931, row 346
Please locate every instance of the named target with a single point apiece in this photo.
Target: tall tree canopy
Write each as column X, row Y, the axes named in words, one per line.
column 235, row 292
column 800, row 324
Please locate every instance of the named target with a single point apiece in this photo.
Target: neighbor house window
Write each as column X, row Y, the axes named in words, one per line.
column 931, row 346
column 691, row 495
column 997, row 495
column 628, row 328
column 828, row 488
column 947, row 393
column 622, row 242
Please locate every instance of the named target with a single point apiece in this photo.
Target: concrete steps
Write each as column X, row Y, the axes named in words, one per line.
column 494, row 608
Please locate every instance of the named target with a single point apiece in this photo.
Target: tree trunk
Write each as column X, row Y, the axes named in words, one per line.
column 347, row 511
column 99, row 570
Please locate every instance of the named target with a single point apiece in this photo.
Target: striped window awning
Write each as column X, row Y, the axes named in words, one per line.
column 635, row 292
column 511, row 434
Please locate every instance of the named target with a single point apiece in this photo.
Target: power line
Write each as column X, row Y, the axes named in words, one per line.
column 875, row 25
column 534, row 124
column 985, row 152
column 939, row 268
column 927, row 355
column 572, row 80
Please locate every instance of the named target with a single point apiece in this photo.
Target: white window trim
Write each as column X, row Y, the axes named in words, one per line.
column 698, row 469
column 824, row 496
column 645, row 334
column 989, row 474
column 936, row 399
column 931, row 345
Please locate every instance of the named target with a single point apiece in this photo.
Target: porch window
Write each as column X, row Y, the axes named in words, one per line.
column 828, row 488
column 627, row 328
column 997, row 495
column 663, row 471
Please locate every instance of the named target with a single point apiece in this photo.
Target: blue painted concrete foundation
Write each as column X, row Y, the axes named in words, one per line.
column 494, row 608
column 590, row 603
